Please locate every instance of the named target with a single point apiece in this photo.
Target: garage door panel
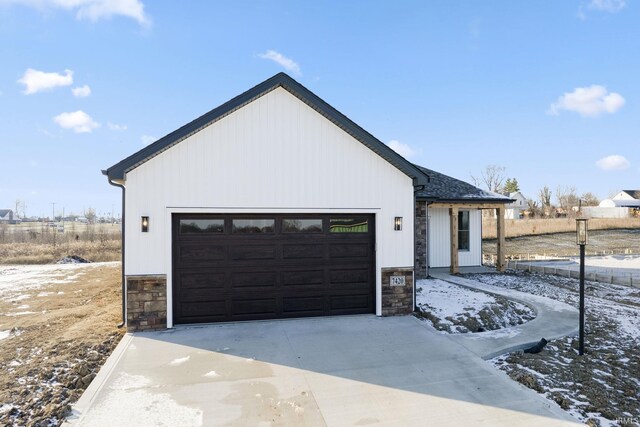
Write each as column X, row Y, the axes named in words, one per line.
column 209, row 308
column 349, row 250
column 252, row 252
column 303, row 305
column 300, row 252
column 203, row 280
column 197, row 253
column 253, row 279
column 361, row 275
column 302, row 265
column 303, row 278
column 266, row 306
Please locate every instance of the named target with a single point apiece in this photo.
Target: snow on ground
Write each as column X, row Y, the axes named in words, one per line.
column 612, row 261
column 603, row 386
column 15, row 279
column 456, row 309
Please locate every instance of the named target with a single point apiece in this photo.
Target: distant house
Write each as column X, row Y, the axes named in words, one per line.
column 6, row 216
column 624, row 199
column 622, row 205
column 515, row 209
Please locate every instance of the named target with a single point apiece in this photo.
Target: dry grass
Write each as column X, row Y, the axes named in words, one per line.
column 534, row 227
column 45, row 253
column 43, row 245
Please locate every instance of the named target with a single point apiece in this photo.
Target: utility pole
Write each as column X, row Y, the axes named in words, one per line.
column 53, row 211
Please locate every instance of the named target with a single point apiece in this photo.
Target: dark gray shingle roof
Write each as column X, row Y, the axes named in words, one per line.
column 443, row 188
column 633, row 193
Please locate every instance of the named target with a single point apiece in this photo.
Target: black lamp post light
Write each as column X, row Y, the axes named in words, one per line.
column 581, row 240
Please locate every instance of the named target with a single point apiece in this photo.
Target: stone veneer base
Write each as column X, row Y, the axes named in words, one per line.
column 146, row 303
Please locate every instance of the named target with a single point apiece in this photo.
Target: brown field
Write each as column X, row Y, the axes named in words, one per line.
column 60, row 334
column 600, row 242
column 35, row 243
column 529, row 227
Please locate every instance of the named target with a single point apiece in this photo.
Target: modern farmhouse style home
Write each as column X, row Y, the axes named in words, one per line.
column 276, row 205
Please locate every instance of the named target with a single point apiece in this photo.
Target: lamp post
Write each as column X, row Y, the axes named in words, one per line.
column 581, row 240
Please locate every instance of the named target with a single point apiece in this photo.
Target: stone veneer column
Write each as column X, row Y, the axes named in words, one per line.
column 146, row 303
column 397, row 291
column 420, row 224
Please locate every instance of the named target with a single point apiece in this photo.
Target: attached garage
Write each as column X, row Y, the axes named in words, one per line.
column 247, row 267
column 272, row 205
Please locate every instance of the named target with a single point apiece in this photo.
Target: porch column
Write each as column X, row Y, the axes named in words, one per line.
column 453, row 222
column 501, row 242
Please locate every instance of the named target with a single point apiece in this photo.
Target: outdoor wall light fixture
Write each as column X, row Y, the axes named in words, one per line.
column 397, row 223
column 145, row 224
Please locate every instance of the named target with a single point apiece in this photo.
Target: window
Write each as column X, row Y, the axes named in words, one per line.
column 301, row 225
column 349, row 225
column 463, row 230
column 252, row 226
column 192, row 226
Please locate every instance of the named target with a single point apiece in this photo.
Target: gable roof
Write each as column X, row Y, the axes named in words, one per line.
column 633, row 193
column 119, row 170
column 443, row 188
column 4, row 212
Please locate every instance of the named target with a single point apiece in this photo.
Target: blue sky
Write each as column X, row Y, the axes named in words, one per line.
column 547, row 89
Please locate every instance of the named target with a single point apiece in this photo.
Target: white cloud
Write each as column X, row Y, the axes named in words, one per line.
column 79, row 121
column 92, row 10
column 36, row 81
column 113, row 126
column 613, row 162
column 611, row 6
column 403, row 149
column 588, row 101
column 81, row 91
column 146, row 139
column 286, row 63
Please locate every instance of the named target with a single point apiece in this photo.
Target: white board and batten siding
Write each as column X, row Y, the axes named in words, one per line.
column 274, row 155
column 439, row 253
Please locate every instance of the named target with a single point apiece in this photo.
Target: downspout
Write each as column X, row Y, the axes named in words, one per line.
column 428, row 261
column 124, row 301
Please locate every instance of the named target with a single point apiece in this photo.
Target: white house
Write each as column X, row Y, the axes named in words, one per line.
column 277, row 205
column 6, row 216
column 514, row 209
column 624, row 199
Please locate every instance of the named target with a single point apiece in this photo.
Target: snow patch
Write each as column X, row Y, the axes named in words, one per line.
column 211, row 374
column 4, row 334
column 179, row 361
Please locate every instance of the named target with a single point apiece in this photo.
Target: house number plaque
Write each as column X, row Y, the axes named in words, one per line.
column 397, row 281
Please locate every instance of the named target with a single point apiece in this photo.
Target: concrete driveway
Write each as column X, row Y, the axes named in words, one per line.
column 337, row 371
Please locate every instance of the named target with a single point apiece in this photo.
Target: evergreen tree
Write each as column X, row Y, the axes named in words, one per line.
column 511, row 186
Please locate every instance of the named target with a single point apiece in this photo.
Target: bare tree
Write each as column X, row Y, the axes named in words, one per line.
column 567, row 197
column 589, row 199
column 534, row 208
column 491, row 177
column 545, row 197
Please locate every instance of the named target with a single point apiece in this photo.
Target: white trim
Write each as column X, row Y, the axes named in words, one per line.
column 169, row 211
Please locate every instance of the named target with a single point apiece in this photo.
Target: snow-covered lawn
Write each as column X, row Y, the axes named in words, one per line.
column 455, row 309
column 603, row 386
column 16, row 280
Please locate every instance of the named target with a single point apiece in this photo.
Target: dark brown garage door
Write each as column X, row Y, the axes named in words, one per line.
column 246, row 267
